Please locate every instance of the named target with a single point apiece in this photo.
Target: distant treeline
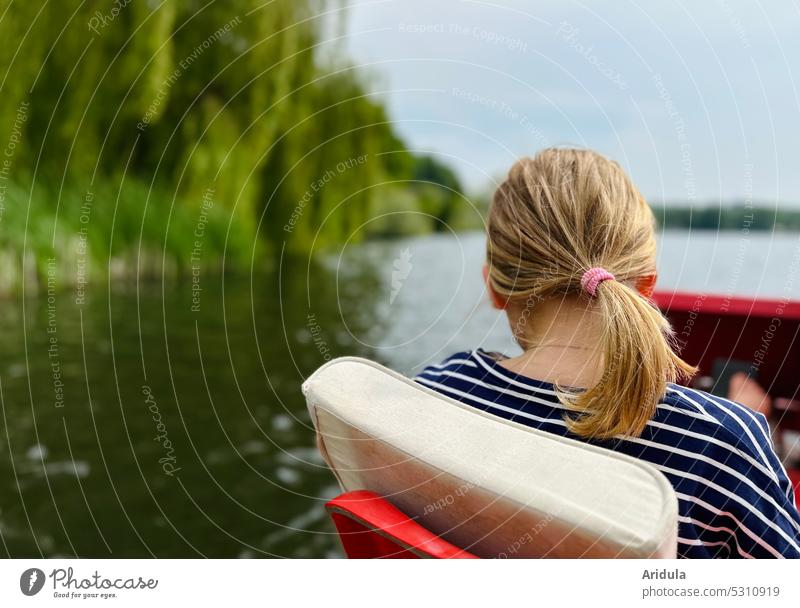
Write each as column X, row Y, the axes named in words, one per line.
column 735, row 217
column 143, row 137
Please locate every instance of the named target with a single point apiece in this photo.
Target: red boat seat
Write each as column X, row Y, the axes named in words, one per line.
column 371, row 527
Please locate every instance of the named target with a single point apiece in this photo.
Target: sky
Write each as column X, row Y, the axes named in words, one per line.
column 699, row 101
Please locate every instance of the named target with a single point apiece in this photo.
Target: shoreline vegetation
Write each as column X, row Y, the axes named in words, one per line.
column 732, row 217
column 141, row 140
column 145, row 139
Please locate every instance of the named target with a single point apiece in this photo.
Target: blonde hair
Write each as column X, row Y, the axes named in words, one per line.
column 555, row 217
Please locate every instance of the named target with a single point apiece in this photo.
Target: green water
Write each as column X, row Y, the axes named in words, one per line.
column 230, row 471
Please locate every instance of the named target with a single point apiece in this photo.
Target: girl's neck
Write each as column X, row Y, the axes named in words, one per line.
column 560, row 339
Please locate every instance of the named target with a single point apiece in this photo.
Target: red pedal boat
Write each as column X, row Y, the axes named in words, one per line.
column 402, row 502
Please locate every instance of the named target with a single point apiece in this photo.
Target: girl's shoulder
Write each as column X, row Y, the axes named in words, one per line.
column 719, row 417
column 477, row 362
column 715, row 409
column 460, row 359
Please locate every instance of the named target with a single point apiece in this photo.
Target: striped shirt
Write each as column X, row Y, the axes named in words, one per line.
column 734, row 497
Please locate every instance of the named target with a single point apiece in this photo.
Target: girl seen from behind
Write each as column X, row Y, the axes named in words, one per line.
column 571, row 259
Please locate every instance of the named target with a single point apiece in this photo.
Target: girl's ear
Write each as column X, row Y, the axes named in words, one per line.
column 497, row 301
column 646, row 284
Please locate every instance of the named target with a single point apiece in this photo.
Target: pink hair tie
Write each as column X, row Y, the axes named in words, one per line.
column 593, row 277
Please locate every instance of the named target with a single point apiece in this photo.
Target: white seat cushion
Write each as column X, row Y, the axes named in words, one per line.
column 488, row 485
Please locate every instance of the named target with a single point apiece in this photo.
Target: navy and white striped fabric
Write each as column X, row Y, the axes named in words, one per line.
column 735, row 499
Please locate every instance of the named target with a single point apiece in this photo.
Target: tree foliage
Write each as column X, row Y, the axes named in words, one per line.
column 151, row 106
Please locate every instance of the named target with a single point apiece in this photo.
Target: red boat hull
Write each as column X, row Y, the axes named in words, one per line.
column 762, row 333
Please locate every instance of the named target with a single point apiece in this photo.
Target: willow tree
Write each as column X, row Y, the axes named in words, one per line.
column 150, row 109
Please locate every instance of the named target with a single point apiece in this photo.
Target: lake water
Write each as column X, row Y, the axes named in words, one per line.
column 135, row 425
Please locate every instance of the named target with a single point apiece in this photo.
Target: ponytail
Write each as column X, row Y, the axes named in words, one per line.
column 554, row 215
column 637, row 363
